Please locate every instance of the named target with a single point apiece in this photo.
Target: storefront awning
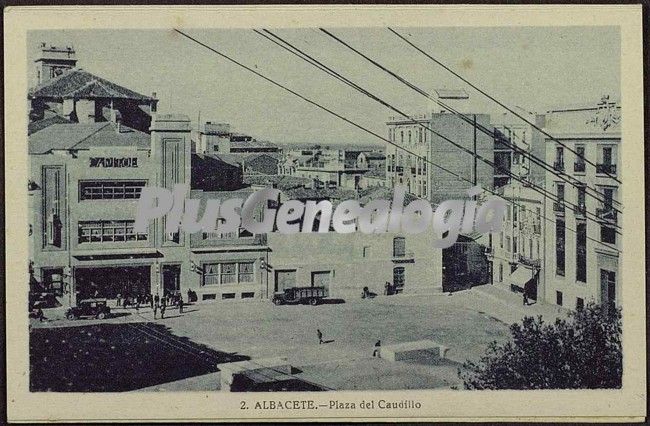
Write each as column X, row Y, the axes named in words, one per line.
column 117, row 254
column 521, row 276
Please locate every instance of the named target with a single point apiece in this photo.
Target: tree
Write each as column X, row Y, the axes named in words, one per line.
column 583, row 351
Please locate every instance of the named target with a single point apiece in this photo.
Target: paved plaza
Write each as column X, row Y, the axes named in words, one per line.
column 196, row 342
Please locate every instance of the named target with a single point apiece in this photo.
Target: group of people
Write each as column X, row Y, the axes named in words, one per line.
column 156, row 302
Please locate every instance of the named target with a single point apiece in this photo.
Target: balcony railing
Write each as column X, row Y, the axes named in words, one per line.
column 580, row 210
column 579, row 167
column 558, row 166
column 606, row 168
column 527, row 261
column 607, row 214
column 403, row 256
column 558, row 208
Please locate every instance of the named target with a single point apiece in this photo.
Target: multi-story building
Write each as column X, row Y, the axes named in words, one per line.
column 333, row 167
column 86, row 177
column 516, row 254
column 513, row 140
column 430, row 182
column 582, row 247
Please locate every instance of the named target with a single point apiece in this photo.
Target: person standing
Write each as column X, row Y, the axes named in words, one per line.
column 119, row 300
column 525, row 298
column 320, row 336
column 375, row 353
column 180, row 304
column 155, row 311
column 162, row 308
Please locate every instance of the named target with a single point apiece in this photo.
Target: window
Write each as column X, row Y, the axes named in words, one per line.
column 247, row 295
column 211, row 296
column 558, row 298
column 514, row 245
column 559, row 247
column 228, row 273
column 245, row 272
column 109, row 231
column 579, row 166
column 500, row 272
column 560, row 192
column 581, row 252
column 366, row 251
column 559, row 158
column 111, row 189
column 608, row 234
column 501, row 240
column 225, row 296
column 508, row 244
column 582, row 192
column 399, row 247
column 580, row 303
column 514, row 213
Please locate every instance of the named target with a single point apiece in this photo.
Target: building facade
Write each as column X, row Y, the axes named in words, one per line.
column 516, row 254
column 422, row 178
column 582, row 247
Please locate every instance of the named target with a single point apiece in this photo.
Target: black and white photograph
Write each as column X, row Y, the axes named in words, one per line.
column 314, row 208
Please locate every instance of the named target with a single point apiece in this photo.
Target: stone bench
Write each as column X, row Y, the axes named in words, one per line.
column 421, row 350
column 262, row 370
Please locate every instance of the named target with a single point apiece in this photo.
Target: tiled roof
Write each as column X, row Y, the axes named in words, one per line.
column 253, row 144
column 280, row 181
column 84, row 136
column 35, row 126
column 81, row 84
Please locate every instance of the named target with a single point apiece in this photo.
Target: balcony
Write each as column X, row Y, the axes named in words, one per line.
column 607, row 214
column 558, row 166
column 558, row 208
column 579, row 167
column 527, row 261
column 403, row 257
column 580, row 210
column 606, row 169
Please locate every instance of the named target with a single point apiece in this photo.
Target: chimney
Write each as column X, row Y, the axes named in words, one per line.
column 116, row 117
column 154, row 103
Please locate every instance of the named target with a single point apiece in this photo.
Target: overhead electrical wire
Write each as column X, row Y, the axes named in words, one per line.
column 331, row 112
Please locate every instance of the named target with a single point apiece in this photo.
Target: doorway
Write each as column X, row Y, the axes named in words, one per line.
column 171, row 275
column 608, row 289
column 285, row 279
column 399, row 279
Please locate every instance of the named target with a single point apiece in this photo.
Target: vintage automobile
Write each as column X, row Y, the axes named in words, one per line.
column 295, row 295
column 96, row 308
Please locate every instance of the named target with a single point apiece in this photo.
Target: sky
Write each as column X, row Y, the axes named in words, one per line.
column 535, row 68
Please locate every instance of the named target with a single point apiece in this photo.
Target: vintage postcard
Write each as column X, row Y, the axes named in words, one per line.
column 324, row 213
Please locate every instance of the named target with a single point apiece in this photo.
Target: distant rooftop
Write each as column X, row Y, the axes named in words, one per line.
column 451, row 93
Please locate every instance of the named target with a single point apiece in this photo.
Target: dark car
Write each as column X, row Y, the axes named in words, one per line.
column 95, row 308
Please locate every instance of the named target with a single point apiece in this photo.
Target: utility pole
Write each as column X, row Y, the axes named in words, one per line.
column 474, row 166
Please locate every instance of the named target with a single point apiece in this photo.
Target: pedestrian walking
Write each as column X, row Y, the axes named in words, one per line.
column 156, row 300
column 155, row 311
column 40, row 314
column 387, row 288
column 163, row 306
column 180, row 304
column 320, row 336
column 376, row 353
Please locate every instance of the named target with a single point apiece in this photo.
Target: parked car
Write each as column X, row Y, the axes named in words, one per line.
column 295, row 295
column 96, row 308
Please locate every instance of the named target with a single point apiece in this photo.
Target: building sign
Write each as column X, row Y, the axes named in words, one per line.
column 113, row 162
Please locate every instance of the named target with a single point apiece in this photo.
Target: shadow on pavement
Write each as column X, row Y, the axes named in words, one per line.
column 116, row 357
